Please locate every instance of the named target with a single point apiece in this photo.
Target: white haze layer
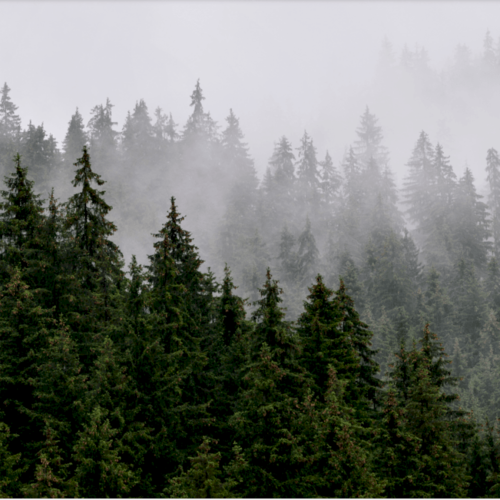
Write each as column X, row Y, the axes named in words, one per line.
column 283, row 67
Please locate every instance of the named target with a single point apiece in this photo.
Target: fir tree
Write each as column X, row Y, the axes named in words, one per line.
column 308, row 255
column 308, row 176
column 102, row 136
column 367, row 385
column 10, row 127
column 41, row 154
column 99, row 469
column 493, row 170
column 267, row 402
column 369, row 142
column 10, row 471
column 21, row 217
column 202, row 480
column 75, row 138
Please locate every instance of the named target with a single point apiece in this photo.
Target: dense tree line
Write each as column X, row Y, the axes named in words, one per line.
column 359, row 358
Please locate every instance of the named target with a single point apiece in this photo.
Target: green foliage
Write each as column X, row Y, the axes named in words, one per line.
column 202, row 478
column 99, row 469
column 10, row 471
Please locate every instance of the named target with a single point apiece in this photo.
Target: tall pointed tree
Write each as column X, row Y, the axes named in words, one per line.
column 493, row 171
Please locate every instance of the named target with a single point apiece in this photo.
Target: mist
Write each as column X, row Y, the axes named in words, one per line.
column 270, row 229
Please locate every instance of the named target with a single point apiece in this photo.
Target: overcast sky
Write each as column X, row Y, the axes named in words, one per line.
column 282, row 66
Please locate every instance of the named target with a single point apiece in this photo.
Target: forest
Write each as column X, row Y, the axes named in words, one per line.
column 319, row 332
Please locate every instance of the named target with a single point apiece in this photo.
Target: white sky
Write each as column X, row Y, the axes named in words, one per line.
column 282, row 66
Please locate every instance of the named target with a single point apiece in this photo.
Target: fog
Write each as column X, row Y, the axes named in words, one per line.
column 282, row 66
column 347, row 150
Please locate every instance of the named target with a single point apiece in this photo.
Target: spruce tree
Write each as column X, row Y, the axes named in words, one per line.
column 41, row 154
column 20, row 220
column 10, row 128
column 493, row 178
column 308, row 176
column 367, row 385
column 74, row 139
column 267, row 403
column 95, row 260
column 102, row 136
column 369, row 142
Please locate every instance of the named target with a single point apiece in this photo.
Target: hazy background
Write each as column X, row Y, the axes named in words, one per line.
column 282, row 66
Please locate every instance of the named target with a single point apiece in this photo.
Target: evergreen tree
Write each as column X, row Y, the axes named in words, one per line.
column 10, row 472
column 418, row 412
column 10, row 128
column 324, row 344
column 367, row 385
column 137, row 138
column 75, row 138
column 22, row 215
column 330, row 181
column 23, row 334
column 202, row 479
column 308, row 176
column 95, row 259
column 41, row 154
column 417, row 185
column 51, row 476
column 469, row 222
column 369, row 142
column 240, row 171
column 493, row 170
column 99, row 469
column 308, row 255
column 266, row 405
column 102, row 136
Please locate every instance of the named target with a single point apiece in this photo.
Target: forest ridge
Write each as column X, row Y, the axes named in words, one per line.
column 326, row 375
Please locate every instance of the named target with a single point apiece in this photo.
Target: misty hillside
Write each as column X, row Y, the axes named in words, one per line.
column 176, row 320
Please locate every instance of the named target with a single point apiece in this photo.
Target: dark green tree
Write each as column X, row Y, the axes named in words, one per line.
column 493, row 171
column 10, row 128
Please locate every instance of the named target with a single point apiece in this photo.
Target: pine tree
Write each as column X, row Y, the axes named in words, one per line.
column 60, row 386
column 369, row 142
column 266, row 405
column 470, row 307
column 10, row 471
column 202, row 479
column 493, row 170
column 324, row 344
column 40, row 153
column 438, row 308
column 417, row 185
column 181, row 314
column 330, row 181
column 492, row 286
column 278, row 205
column 367, row 385
column 469, row 223
column 95, row 259
column 10, row 128
column 23, row 334
column 308, row 176
column 307, row 255
column 240, row 172
column 99, row 469
column 199, row 123
column 137, row 138
column 102, row 136
column 51, row 476
column 75, row 138
column 353, row 204
column 21, row 217
column 334, row 449
column 418, row 412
